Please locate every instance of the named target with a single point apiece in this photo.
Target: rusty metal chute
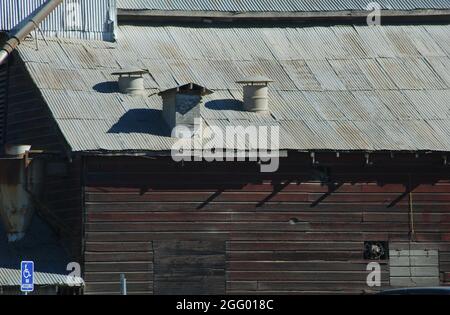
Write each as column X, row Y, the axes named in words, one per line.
column 20, row 180
column 33, row 21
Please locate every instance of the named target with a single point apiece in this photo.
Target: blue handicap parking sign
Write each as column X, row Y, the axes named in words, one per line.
column 27, row 276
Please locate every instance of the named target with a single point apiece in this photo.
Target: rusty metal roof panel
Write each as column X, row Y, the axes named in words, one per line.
column 350, row 74
column 277, row 5
column 353, row 44
column 325, row 75
column 420, row 134
column 440, row 36
column 270, row 69
column 425, row 73
column 326, row 37
column 205, row 74
column 375, row 74
column 426, row 105
column 301, row 75
column 377, row 137
column 423, row 42
column 441, row 65
column 71, row 130
column 352, row 96
column 441, row 128
column 326, row 136
column 400, row 41
column 377, row 40
column 311, row 47
column 353, row 137
column 100, row 130
column 293, row 105
column 299, row 135
column 255, row 42
column 188, row 48
column 408, row 135
column 373, row 107
column 348, row 104
column 442, row 99
column 404, row 77
column 279, row 44
column 398, row 104
column 182, row 73
column 321, row 102
column 230, row 71
column 161, row 73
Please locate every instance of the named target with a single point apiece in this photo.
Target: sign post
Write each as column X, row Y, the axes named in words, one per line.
column 26, row 276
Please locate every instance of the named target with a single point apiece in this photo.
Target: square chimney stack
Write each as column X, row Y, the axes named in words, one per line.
column 181, row 105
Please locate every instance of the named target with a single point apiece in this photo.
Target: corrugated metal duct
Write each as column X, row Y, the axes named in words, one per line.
column 28, row 26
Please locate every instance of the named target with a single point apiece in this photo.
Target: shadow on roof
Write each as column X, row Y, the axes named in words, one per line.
column 225, row 104
column 107, row 87
column 142, row 120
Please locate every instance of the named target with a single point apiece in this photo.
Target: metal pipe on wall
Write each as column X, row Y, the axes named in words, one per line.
column 33, row 22
column 123, row 284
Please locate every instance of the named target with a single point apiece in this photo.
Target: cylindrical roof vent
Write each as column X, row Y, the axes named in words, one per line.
column 256, row 93
column 131, row 81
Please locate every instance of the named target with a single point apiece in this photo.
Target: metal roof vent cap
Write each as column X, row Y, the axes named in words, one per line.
column 131, row 81
column 182, row 105
column 256, row 93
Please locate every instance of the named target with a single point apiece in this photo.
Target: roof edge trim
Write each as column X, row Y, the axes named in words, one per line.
column 300, row 16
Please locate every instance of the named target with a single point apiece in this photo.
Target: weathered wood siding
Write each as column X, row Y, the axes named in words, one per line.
column 189, row 267
column 61, row 203
column 300, row 230
column 28, row 119
column 3, row 99
column 3, row 92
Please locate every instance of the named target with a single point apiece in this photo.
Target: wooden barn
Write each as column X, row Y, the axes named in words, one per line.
column 362, row 115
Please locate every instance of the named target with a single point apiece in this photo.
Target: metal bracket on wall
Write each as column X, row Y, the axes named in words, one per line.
column 367, row 158
column 36, row 30
column 412, row 231
column 313, row 158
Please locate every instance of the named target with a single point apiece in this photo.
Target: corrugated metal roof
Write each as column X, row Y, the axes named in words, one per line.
column 277, row 5
column 334, row 88
column 85, row 19
column 11, row 277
